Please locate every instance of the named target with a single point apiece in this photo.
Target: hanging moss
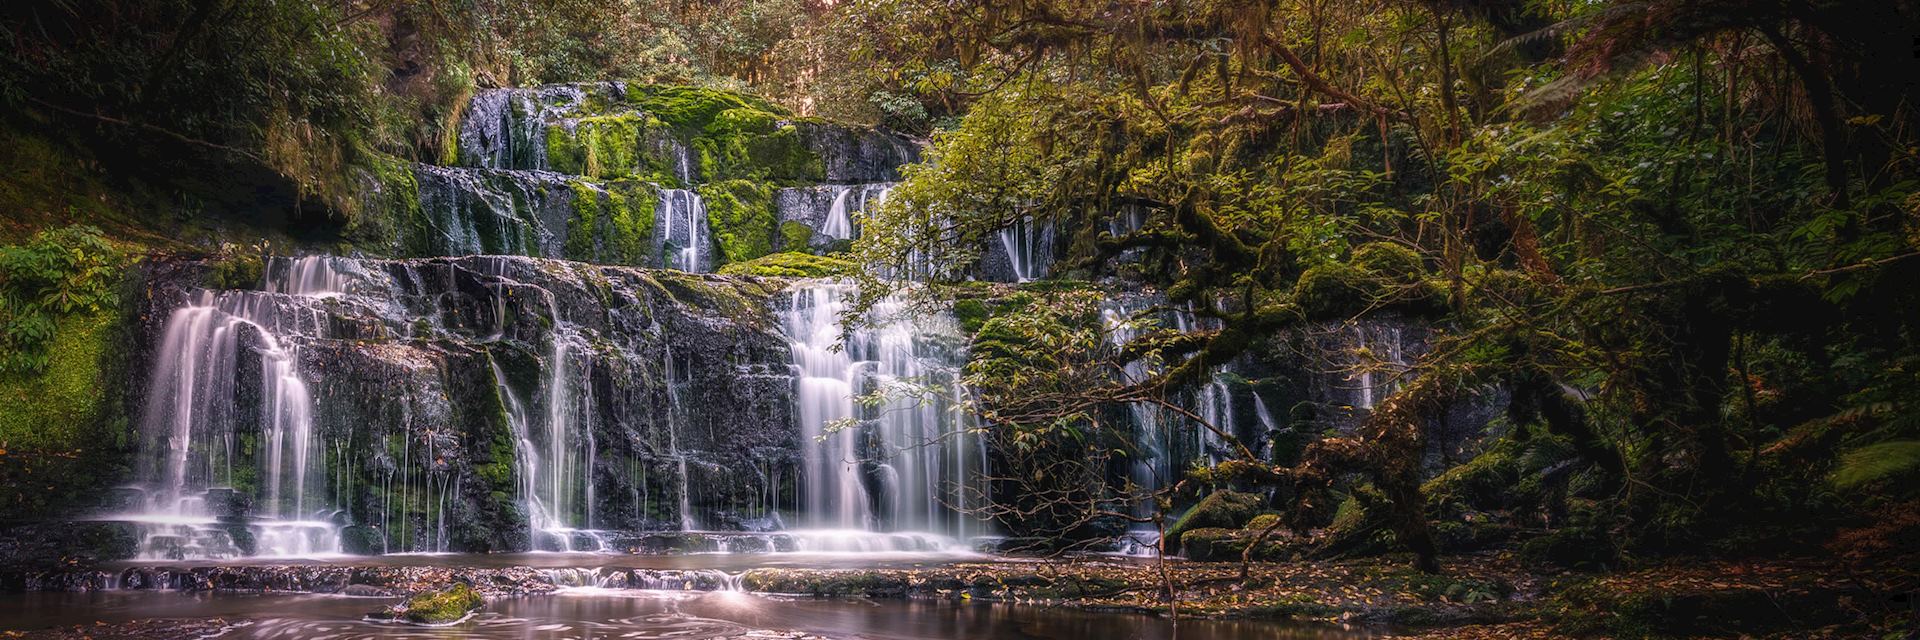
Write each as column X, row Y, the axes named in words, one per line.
column 742, row 217
column 387, row 214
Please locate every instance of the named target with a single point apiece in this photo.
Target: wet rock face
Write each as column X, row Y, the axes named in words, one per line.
column 612, row 173
column 436, row 382
column 856, row 154
column 491, row 212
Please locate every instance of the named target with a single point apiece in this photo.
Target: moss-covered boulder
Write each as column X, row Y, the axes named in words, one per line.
column 440, row 607
column 1219, row 510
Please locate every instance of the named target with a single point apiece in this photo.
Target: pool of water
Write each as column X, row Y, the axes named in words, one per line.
column 603, row 613
column 730, row 562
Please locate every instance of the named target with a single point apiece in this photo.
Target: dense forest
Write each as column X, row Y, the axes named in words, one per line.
column 1543, row 318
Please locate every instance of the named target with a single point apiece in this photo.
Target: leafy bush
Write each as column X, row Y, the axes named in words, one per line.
column 60, row 272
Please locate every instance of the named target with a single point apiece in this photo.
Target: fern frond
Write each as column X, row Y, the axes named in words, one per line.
column 1873, row 462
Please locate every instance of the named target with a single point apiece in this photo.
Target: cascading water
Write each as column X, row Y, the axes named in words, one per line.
column 683, row 230
column 903, row 461
column 554, row 454
column 1029, row 248
column 202, row 499
column 1164, row 450
column 850, row 199
column 1374, row 348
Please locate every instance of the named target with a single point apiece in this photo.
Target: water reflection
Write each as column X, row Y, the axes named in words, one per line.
column 606, row 614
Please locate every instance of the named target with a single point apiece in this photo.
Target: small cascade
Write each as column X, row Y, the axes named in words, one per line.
column 228, row 471
column 1167, row 443
column 643, row 579
column 903, row 462
column 1269, row 427
column 1029, row 248
column 506, row 128
column 683, row 231
column 675, row 416
column 487, row 211
column 554, row 453
column 1376, row 348
column 851, row 199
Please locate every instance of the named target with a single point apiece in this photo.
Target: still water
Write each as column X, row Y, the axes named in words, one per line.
column 605, row 613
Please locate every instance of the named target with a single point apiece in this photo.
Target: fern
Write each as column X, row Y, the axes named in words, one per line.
column 1873, row 462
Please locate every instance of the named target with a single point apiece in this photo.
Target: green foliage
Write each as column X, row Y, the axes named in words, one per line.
column 790, row 264
column 1876, row 462
column 58, row 406
column 59, row 273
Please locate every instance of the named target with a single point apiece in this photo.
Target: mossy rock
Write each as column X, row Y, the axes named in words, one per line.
column 445, row 606
column 790, row 264
column 742, row 217
column 1389, row 261
column 1579, row 547
column 694, row 108
column 796, row 236
column 1221, row 510
column 841, row 583
column 1331, row 290
column 612, row 223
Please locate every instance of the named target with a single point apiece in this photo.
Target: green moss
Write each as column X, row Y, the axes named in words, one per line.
column 237, row 271
column 60, row 408
column 742, row 218
column 1220, row 509
column 1393, row 261
column 790, row 264
column 691, row 109
column 796, row 237
column 1331, row 290
column 565, row 154
column 443, row 606
column 612, row 224
column 972, row 313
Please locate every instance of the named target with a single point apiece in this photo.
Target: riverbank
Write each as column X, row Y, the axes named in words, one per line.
column 1480, row 596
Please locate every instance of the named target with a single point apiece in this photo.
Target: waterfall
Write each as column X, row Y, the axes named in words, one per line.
column 1167, row 442
column 674, row 417
column 904, row 460
column 199, row 418
column 855, row 198
column 554, row 453
column 490, row 211
column 683, row 231
column 1374, row 347
column 1029, row 248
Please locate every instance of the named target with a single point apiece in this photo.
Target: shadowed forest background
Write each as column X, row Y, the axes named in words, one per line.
column 1656, row 261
